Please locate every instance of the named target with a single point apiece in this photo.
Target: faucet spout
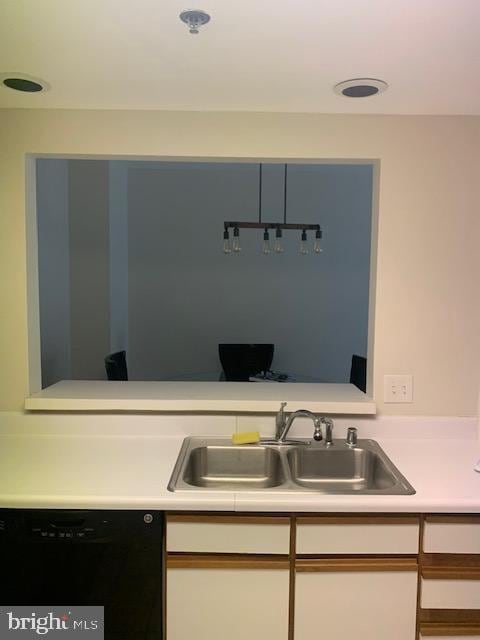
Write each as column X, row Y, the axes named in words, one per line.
column 280, row 420
column 305, row 413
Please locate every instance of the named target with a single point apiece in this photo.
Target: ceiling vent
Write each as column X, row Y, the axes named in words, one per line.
column 360, row 87
column 22, row 82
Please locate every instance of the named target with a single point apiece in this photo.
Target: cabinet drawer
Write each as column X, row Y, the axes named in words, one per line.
column 357, row 535
column 450, row 594
column 443, row 534
column 228, row 534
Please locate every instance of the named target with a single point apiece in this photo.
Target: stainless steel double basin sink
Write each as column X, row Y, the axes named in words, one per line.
column 214, row 464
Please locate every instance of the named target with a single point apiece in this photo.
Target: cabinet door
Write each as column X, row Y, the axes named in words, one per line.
column 218, row 599
column 342, row 603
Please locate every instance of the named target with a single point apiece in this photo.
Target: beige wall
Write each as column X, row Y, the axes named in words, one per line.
column 427, row 296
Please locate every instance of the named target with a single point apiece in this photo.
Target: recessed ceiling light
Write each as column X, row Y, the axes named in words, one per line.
column 194, row 18
column 23, row 82
column 360, row 87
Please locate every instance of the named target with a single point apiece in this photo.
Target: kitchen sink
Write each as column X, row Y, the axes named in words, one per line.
column 234, row 467
column 340, row 469
column 214, row 464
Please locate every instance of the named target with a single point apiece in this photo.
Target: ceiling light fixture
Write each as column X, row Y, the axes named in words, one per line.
column 194, row 18
column 360, row 87
column 23, row 82
column 236, row 248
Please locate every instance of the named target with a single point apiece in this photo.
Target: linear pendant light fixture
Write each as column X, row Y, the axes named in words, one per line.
column 235, row 247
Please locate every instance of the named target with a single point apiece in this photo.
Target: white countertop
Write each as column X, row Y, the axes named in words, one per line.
column 132, row 471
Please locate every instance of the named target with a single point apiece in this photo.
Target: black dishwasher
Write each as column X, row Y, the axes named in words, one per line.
column 85, row 557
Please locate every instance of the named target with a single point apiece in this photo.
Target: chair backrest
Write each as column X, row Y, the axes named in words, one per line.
column 116, row 366
column 358, row 372
column 240, row 361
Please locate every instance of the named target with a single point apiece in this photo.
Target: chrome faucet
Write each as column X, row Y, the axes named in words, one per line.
column 304, row 413
column 283, row 424
column 280, row 420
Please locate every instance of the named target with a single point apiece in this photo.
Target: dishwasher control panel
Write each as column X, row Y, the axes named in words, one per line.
column 60, row 533
column 48, row 525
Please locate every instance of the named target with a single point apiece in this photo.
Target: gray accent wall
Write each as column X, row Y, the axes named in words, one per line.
column 54, row 270
column 74, row 235
column 118, row 227
column 186, row 296
column 89, row 267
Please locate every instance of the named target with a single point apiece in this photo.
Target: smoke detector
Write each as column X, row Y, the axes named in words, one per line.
column 360, row 87
column 194, row 18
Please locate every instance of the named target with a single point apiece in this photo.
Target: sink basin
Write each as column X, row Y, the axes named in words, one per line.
column 234, row 467
column 214, row 464
column 340, row 470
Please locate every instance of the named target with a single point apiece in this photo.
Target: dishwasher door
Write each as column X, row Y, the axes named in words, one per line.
column 82, row 557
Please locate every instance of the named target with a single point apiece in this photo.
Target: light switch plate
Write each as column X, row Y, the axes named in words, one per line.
column 398, row 388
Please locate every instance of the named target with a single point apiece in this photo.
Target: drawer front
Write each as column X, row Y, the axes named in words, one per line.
column 228, row 535
column 450, row 594
column 357, row 536
column 455, row 536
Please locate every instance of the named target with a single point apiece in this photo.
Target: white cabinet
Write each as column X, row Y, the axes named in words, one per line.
column 225, row 599
column 214, row 596
column 342, row 603
column 450, row 589
column 229, row 577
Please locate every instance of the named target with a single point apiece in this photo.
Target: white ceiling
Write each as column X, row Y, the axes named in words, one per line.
column 254, row 55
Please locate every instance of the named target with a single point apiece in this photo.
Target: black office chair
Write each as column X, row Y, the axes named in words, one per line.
column 116, row 366
column 240, row 361
column 358, row 372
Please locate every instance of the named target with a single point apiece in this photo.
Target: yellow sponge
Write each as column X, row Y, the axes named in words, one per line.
column 246, row 437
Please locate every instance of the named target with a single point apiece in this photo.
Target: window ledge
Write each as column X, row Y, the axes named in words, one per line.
column 255, row 397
